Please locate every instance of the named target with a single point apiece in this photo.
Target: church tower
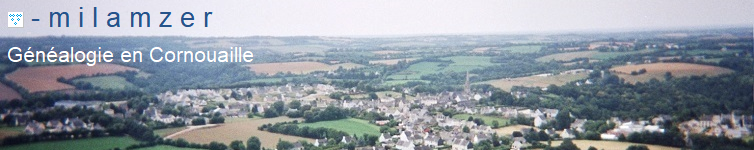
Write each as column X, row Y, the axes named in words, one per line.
column 467, row 86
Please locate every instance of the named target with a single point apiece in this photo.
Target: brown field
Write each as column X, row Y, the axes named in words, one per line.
column 8, row 133
column 241, row 129
column 385, row 52
column 657, row 71
column 297, row 67
column 611, row 145
column 7, row 93
column 391, row 61
column 535, row 81
column 44, row 78
column 504, row 131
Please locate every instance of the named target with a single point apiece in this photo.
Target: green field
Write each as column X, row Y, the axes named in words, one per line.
column 264, row 80
column 350, row 126
column 399, row 82
column 487, row 119
column 701, row 51
column 610, row 55
column 166, row 147
column 459, row 64
column 466, row 63
column 523, row 49
column 407, row 44
column 415, row 71
column 168, row 131
column 80, row 144
column 108, row 82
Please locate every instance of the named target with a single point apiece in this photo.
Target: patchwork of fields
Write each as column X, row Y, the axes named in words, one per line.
column 523, row 49
column 535, row 81
column 391, row 61
column 240, row 130
column 298, row 67
column 385, row 52
column 459, row 64
column 415, row 71
column 44, row 78
column 589, row 54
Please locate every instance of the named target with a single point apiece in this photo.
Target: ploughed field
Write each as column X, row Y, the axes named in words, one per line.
column 536, row 81
column 658, row 70
column 7, row 93
column 241, row 129
column 44, row 78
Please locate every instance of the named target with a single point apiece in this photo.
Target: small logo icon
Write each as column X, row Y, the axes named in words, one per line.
column 15, row 19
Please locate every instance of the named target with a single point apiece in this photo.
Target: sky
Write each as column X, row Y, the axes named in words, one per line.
column 379, row 17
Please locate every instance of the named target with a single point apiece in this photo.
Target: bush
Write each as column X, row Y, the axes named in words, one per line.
column 198, row 121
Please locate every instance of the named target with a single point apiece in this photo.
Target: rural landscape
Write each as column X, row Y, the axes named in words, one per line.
column 654, row 89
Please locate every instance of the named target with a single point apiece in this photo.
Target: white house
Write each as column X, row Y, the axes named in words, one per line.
column 384, row 137
column 567, row 133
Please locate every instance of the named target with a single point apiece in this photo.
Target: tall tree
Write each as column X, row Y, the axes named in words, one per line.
column 253, row 143
column 237, row 145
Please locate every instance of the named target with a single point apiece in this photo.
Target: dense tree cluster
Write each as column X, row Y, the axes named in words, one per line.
column 329, row 113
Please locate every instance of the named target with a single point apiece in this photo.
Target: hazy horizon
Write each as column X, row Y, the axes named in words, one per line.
column 384, row 18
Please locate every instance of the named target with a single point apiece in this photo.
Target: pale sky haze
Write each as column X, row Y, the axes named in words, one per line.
column 381, row 17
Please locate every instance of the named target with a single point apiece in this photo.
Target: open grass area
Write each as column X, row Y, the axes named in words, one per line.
column 381, row 94
column 487, row 119
column 702, row 51
column 391, row 61
column 523, row 49
column 79, row 144
column 658, row 70
column 407, row 44
column 584, row 144
column 350, row 126
column 466, row 63
column 399, row 82
column 415, row 71
column 167, row 147
column 508, row 130
column 108, row 82
column 168, row 131
column 535, row 81
column 749, row 139
column 240, row 129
